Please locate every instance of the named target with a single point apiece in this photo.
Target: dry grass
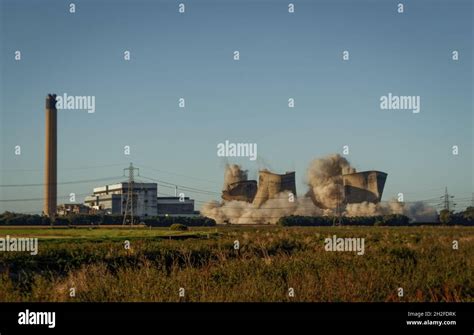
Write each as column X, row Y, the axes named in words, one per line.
column 270, row 261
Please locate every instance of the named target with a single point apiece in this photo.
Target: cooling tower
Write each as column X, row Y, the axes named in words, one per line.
column 241, row 191
column 363, row 186
column 270, row 184
column 50, row 167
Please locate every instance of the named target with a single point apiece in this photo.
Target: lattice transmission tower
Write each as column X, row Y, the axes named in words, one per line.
column 130, row 202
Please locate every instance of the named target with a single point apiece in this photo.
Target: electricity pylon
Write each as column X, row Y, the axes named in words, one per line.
column 129, row 205
column 447, row 203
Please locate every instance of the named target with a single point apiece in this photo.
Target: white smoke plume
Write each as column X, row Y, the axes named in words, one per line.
column 242, row 212
column 233, row 174
column 324, row 180
column 417, row 211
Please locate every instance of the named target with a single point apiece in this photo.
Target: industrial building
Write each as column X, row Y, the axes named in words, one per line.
column 174, row 206
column 112, row 199
column 363, row 186
column 67, row 209
column 366, row 186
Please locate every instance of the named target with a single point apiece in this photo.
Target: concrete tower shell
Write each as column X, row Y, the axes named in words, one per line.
column 364, row 186
column 50, row 167
column 270, row 184
column 241, row 191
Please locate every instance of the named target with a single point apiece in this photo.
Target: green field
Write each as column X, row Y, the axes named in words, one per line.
column 115, row 233
column 270, row 260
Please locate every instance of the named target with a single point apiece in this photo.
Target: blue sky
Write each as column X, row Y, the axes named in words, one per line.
column 282, row 55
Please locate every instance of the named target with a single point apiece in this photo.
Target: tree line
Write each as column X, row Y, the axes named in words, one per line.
column 465, row 218
column 18, row 219
column 445, row 217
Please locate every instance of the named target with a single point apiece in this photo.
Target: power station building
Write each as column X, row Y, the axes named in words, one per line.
column 175, row 206
column 363, row 186
column 72, row 208
column 112, row 199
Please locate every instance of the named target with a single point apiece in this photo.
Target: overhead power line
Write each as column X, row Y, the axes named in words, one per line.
column 180, row 175
column 64, row 168
column 41, row 199
column 190, row 189
column 63, row 182
column 130, row 203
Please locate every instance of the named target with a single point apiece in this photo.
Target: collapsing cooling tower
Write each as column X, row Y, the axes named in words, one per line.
column 363, row 186
column 244, row 190
column 270, row 184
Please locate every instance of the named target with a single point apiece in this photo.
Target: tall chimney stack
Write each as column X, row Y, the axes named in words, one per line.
column 50, row 168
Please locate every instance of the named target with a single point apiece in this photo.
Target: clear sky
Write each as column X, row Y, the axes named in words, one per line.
column 282, row 55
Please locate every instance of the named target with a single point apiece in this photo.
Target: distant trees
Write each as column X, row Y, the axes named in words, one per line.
column 468, row 214
column 379, row 220
column 86, row 219
column 190, row 221
column 445, row 217
column 465, row 218
column 18, row 219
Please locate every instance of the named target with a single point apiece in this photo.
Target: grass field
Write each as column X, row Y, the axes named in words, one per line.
column 269, row 261
column 114, row 233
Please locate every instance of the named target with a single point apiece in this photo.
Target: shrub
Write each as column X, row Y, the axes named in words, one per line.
column 178, row 226
column 167, row 221
column 445, row 216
